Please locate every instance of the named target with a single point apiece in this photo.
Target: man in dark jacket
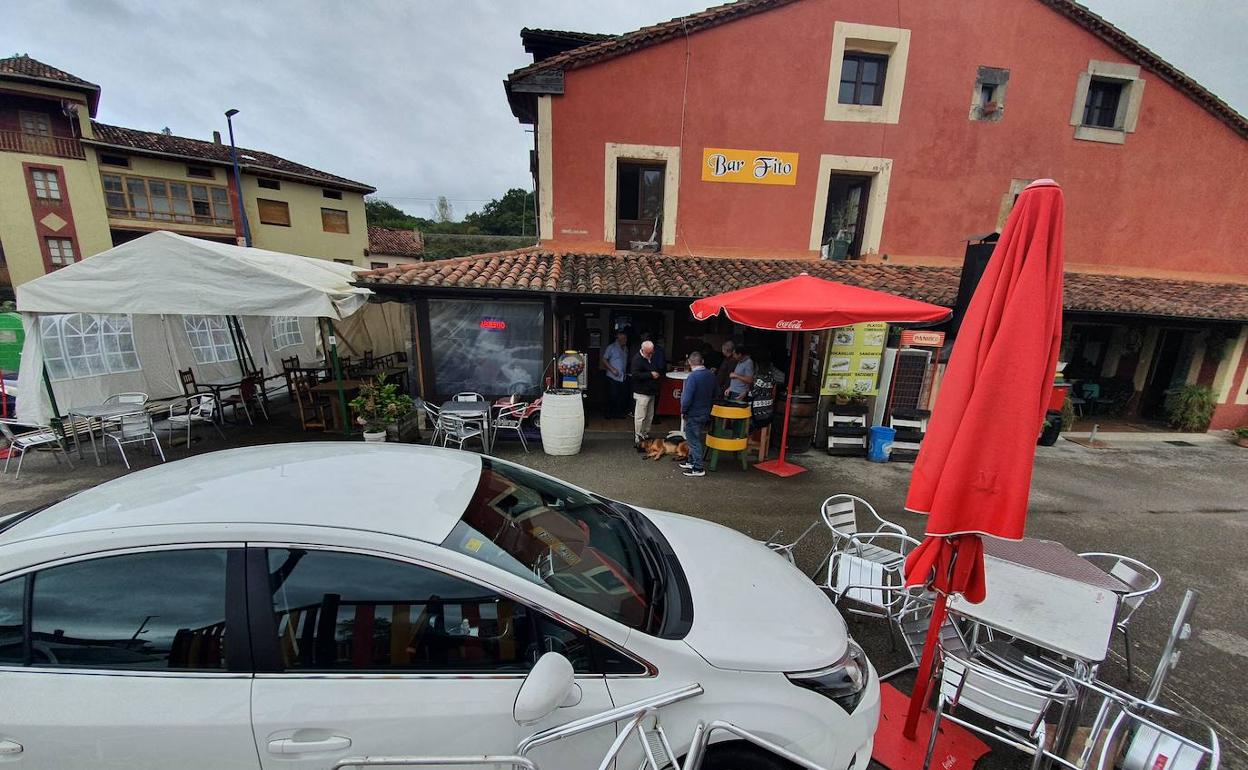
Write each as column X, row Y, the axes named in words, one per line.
column 646, row 375
column 696, row 398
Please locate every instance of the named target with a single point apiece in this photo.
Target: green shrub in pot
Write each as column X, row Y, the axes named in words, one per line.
column 1190, row 408
column 380, row 404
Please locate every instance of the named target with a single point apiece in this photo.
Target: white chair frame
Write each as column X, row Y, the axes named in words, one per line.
column 1142, row 579
column 23, row 442
column 435, row 419
column 136, row 428
column 184, row 412
column 510, row 417
column 460, row 430
column 468, row 395
column 865, row 566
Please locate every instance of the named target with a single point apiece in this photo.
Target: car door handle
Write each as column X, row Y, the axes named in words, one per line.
column 10, row 747
column 292, row 746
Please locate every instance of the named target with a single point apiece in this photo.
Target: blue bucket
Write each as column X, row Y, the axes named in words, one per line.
column 880, row 443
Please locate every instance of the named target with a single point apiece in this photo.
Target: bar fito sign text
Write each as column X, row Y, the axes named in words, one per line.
column 749, row 166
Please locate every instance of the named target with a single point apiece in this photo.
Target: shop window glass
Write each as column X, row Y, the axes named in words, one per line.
column 494, row 348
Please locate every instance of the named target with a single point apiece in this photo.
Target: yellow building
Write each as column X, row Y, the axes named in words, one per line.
column 71, row 187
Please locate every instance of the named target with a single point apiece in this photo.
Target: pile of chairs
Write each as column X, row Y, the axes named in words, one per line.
column 1010, row 686
column 507, row 414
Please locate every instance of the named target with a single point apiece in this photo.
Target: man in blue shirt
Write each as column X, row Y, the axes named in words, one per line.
column 614, row 362
column 696, row 398
column 742, row 377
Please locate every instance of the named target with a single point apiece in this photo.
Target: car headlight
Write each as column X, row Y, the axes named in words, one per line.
column 844, row 681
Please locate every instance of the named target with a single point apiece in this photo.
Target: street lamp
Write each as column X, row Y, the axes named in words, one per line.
column 238, row 180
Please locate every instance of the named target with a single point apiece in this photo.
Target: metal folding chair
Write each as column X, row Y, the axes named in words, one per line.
column 1140, row 578
column 41, row 436
column 510, row 417
column 868, row 556
column 434, row 415
column 1015, row 707
column 134, row 428
column 468, row 395
column 191, row 410
column 460, row 430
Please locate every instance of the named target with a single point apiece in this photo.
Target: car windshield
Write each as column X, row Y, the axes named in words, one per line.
column 570, row 541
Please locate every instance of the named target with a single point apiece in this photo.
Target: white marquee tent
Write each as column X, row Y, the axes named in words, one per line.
column 128, row 319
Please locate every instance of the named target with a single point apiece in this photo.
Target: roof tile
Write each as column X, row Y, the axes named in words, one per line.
column 394, row 241
column 657, row 275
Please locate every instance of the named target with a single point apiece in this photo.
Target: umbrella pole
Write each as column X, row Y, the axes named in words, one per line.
column 780, row 466
column 918, row 699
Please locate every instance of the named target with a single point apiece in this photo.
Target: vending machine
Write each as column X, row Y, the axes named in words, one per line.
column 570, row 370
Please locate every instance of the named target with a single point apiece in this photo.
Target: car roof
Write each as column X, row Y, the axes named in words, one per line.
column 410, row 491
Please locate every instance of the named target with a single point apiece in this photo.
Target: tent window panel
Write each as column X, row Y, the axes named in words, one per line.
column 286, row 332
column 210, row 339
column 78, row 345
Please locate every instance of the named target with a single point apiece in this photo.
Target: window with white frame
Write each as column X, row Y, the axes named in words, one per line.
column 286, row 332
column 80, row 345
column 210, row 338
column 61, row 252
column 47, row 184
column 1107, row 103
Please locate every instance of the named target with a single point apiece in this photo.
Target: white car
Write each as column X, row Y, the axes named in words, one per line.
column 290, row 606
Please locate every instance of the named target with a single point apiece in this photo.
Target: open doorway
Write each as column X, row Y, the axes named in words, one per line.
column 844, row 221
column 638, row 203
column 1172, row 359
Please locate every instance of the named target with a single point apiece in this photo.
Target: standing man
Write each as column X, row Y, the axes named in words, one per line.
column 614, row 362
column 696, row 398
column 742, row 377
column 646, row 377
column 724, row 372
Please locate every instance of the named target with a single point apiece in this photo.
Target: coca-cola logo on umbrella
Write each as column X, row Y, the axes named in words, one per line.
column 796, row 324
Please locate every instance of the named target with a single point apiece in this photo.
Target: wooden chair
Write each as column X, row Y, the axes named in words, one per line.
column 187, row 378
column 288, row 366
column 249, row 395
column 311, row 410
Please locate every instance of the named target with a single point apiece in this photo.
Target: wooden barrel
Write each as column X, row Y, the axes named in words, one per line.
column 801, row 422
column 562, row 421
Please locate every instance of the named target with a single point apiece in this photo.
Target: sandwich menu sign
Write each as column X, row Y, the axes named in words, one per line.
column 749, row 166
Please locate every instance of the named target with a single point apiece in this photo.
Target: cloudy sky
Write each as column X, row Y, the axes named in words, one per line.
column 407, row 95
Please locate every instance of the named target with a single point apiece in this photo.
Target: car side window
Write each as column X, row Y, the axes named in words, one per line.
column 141, row 611
column 339, row 611
column 12, row 619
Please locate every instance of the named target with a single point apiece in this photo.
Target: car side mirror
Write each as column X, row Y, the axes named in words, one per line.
column 550, row 684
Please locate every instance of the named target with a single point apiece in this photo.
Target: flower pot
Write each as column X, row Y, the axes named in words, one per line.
column 374, row 436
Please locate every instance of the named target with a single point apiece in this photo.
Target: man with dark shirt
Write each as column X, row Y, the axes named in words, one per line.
column 723, row 375
column 696, row 398
column 646, row 375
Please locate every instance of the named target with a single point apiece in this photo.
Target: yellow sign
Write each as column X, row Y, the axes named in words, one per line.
column 749, row 166
column 853, row 362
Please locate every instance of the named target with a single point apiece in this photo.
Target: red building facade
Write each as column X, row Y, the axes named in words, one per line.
column 893, row 133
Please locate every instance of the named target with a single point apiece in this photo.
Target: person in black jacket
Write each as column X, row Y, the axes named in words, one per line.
column 645, row 375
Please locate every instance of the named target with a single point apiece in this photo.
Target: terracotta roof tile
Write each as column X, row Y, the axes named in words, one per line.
column 721, row 14
column 26, row 68
column 254, row 161
column 395, row 241
column 692, row 277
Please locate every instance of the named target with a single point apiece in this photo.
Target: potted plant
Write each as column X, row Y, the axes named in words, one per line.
column 1190, row 408
column 840, row 219
column 379, row 405
column 1241, row 436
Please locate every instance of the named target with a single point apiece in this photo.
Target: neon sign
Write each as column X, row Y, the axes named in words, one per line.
column 493, row 324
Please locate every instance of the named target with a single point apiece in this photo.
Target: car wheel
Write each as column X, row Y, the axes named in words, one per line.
column 742, row 757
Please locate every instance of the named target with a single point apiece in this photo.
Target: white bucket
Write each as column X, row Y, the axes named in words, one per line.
column 563, row 422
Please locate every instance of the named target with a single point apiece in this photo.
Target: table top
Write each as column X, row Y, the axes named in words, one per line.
column 678, row 375
column 1054, row 558
column 106, row 410
column 467, row 407
column 1057, row 613
column 332, row 386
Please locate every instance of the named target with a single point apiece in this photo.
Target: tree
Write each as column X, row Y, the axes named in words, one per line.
column 510, row 215
column 385, row 214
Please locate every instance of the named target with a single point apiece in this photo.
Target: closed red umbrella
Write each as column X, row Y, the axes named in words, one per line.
column 973, row 473
column 806, row 303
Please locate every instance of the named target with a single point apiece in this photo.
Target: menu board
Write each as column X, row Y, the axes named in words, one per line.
column 853, row 361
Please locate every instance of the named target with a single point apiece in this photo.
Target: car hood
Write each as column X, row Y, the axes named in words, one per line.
column 752, row 609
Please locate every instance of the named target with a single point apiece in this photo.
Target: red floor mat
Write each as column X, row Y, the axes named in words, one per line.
column 956, row 748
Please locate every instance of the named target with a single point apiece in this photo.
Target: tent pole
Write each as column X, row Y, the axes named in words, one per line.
column 47, row 383
column 332, row 339
column 238, row 351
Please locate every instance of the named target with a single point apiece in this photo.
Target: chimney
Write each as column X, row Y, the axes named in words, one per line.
column 216, row 137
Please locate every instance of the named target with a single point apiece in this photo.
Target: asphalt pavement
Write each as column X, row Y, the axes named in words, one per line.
column 1181, row 509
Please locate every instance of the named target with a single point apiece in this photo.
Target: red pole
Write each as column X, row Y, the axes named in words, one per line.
column 918, row 699
column 788, row 402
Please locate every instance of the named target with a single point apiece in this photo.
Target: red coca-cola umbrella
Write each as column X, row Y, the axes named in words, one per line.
column 973, row 473
column 806, row 303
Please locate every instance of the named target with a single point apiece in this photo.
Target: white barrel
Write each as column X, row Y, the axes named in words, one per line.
column 563, row 422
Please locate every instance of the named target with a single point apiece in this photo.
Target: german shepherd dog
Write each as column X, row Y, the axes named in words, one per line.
column 655, row 448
